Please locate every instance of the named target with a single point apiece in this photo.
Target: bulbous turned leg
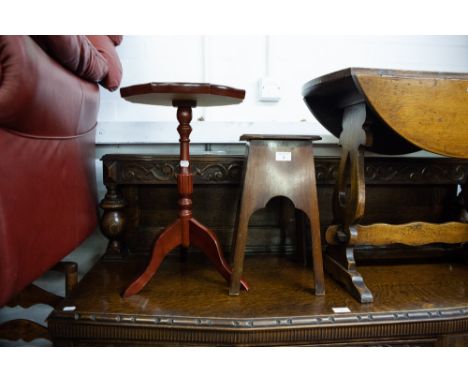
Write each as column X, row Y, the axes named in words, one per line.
column 113, row 222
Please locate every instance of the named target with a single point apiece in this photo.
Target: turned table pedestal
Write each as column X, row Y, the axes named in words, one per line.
column 185, row 230
column 386, row 112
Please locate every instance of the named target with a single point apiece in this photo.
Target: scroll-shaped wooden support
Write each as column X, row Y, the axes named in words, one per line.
column 388, row 112
column 348, row 204
column 348, row 209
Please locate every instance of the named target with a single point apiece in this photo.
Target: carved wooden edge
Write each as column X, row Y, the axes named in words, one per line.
column 264, row 323
column 153, row 170
column 21, row 329
column 182, row 88
column 287, row 330
column 227, row 169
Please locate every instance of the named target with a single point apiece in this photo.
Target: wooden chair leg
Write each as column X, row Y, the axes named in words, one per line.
column 70, row 270
column 27, row 330
column 32, row 295
column 22, row 329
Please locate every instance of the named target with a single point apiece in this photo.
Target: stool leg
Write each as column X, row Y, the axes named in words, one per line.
column 313, row 215
column 306, row 200
column 314, row 219
column 301, row 247
column 317, row 253
column 238, row 247
column 239, row 241
column 205, row 239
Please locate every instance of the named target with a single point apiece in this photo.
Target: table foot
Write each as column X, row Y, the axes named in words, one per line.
column 340, row 264
column 204, row 239
column 169, row 239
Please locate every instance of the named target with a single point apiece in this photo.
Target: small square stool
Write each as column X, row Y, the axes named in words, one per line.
column 278, row 165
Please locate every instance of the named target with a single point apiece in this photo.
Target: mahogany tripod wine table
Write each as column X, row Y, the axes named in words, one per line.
column 386, row 112
column 185, row 230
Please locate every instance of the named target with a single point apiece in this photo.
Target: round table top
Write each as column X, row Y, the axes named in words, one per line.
column 180, row 93
column 277, row 137
column 407, row 110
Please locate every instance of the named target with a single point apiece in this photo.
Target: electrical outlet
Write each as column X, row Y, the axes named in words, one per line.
column 269, row 90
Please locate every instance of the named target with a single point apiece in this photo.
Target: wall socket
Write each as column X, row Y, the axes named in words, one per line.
column 269, row 90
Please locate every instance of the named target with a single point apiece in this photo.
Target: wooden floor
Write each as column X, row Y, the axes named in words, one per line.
column 187, row 303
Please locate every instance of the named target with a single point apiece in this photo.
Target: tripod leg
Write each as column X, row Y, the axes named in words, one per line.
column 203, row 238
column 169, row 239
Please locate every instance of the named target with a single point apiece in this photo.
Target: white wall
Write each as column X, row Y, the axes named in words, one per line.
column 240, row 61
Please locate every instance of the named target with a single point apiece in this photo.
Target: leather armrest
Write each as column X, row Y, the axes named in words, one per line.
column 40, row 98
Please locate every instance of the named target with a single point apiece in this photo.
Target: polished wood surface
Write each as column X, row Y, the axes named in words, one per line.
column 429, row 110
column 415, row 233
column 407, row 110
column 185, row 230
column 419, row 304
column 279, row 137
column 199, row 94
column 349, row 203
column 423, row 189
column 266, row 176
column 389, row 112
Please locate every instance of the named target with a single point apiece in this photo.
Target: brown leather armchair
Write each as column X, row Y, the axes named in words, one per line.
column 49, row 100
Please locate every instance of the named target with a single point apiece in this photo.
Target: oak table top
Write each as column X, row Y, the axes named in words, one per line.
column 188, row 304
column 410, row 110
